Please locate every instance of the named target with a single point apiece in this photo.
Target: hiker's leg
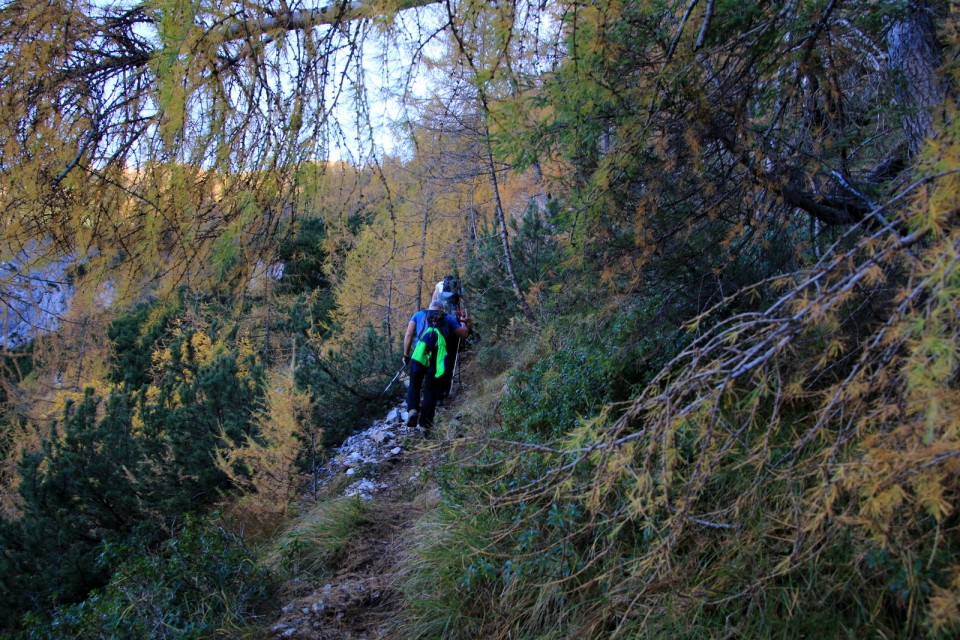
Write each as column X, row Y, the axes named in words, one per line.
column 431, row 393
column 416, row 381
column 443, row 385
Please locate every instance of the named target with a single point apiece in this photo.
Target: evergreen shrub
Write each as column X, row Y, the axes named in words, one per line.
column 145, row 454
column 556, row 392
column 200, row 583
column 493, row 359
column 347, row 385
column 537, row 260
column 585, row 362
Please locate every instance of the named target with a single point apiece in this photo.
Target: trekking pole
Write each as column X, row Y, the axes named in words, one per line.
column 404, row 366
column 453, row 374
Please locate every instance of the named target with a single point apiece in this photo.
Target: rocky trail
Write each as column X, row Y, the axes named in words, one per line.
column 360, row 599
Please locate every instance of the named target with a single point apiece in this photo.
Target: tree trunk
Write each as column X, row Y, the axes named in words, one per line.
column 267, row 287
column 389, row 305
column 504, row 236
column 423, row 258
column 915, row 58
column 542, row 198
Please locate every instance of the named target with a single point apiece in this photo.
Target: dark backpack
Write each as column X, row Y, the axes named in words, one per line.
column 451, row 289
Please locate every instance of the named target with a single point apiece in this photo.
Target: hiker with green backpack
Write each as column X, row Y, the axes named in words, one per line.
column 425, row 350
column 449, row 292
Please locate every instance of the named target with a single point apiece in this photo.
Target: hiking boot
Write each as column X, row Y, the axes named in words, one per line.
column 412, row 418
column 427, row 427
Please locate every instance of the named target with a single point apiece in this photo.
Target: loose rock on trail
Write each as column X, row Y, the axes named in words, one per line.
column 360, row 599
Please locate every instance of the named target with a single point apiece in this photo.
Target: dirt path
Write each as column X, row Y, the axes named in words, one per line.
column 361, row 598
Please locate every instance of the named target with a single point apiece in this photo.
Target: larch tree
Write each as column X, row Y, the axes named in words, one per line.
column 160, row 141
column 801, row 439
column 147, row 138
column 453, row 147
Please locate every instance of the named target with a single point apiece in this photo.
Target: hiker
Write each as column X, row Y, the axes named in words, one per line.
column 424, row 349
column 448, row 291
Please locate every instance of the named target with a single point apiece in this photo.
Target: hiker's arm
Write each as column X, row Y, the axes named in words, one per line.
column 408, row 339
column 464, row 330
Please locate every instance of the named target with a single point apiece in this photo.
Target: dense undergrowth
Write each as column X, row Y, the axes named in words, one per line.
column 791, row 472
column 201, row 582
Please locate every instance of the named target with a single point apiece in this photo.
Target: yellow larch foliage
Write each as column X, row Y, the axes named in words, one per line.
column 245, row 350
column 202, row 348
column 776, row 441
column 266, row 467
column 943, row 612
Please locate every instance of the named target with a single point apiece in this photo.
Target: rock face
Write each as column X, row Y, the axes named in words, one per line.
column 33, row 300
column 361, row 454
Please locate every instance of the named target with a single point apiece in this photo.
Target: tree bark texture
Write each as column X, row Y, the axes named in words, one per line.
column 915, row 57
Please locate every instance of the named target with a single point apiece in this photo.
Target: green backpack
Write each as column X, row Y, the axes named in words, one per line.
column 431, row 345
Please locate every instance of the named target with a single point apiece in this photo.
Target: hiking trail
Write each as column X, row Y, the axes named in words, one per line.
column 385, row 465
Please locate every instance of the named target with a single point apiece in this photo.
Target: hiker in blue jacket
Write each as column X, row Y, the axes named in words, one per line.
column 424, row 349
column 450, row 292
